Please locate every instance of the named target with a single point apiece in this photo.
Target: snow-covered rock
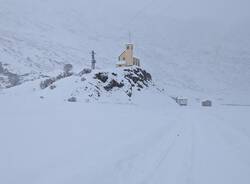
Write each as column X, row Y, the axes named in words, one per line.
column 7, row 78
column 123, row 82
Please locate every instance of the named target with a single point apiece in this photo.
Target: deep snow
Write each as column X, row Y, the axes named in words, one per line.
column 193, row 55
column 147, row 139
column 52, row 141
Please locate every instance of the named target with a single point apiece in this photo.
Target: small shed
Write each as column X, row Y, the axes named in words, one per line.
column 181, row 101
column 206, row 103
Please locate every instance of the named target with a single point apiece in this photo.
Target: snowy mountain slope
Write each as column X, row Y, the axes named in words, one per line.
column 194, row 56
column 145, row 139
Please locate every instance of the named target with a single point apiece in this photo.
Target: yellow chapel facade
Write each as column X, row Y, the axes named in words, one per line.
column 127, row 58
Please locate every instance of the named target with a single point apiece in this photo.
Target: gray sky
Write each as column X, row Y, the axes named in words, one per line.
column 222, row 10
column 199, row 9
column 218, row 10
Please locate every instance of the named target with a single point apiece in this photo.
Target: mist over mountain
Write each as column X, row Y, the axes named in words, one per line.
column 176, row 112
column 201, row 45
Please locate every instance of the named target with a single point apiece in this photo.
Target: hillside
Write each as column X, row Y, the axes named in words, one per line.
column 74, row 125
column 194, row 56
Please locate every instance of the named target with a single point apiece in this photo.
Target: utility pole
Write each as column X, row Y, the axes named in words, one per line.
column 93, row 61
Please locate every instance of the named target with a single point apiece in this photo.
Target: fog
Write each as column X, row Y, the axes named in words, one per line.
column 225, row 10
column 216, row 10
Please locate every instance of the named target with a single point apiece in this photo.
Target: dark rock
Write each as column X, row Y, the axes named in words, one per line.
column 129, row 93
column 137, row 75
column 52, row 87
column 98, row 93
column 12, row 78
column 207, row 103
column 72, row 99
column 112, row 84
column 85, row 71
column 139, row 85
column 101, row 76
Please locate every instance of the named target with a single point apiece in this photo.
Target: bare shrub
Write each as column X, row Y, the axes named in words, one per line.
column 67, row 68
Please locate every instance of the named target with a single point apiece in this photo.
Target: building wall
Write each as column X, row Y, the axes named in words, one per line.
column 127, row 55
column 136, row 61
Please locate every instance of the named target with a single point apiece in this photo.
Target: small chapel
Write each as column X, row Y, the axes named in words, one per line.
column 127, row 59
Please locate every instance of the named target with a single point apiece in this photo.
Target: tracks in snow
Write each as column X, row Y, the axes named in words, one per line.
column 167, row 154
column 192, row 149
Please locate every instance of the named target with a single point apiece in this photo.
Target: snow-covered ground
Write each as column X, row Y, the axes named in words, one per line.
column 195, row 55
column 52, row 141
column 148, row 138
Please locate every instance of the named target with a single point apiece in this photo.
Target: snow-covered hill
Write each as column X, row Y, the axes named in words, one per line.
column 183, row 55
column 124, row 127
column 120, row 85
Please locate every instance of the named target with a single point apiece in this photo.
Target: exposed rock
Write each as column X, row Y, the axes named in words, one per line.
column 98, row 84
column 112, row 84
column 7, row 78
column 85, row 71
column 129, row 93
column 128, row 79
column 138, row 74
column 101, row 76
column 52, row 87
column 206, row 103
column 72, row 99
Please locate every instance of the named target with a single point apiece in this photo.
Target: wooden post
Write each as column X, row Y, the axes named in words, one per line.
column 93, row 61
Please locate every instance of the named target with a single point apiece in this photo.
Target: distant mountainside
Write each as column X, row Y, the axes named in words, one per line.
column 39, row 37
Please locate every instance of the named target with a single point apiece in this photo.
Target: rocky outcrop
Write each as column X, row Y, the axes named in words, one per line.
column 7, row 78
column 102, row 76
column 96, row 84
column 125, row 80
column 113, row 84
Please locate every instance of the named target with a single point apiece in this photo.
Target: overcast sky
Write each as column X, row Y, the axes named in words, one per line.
column 222, row 10
column 198, row 9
